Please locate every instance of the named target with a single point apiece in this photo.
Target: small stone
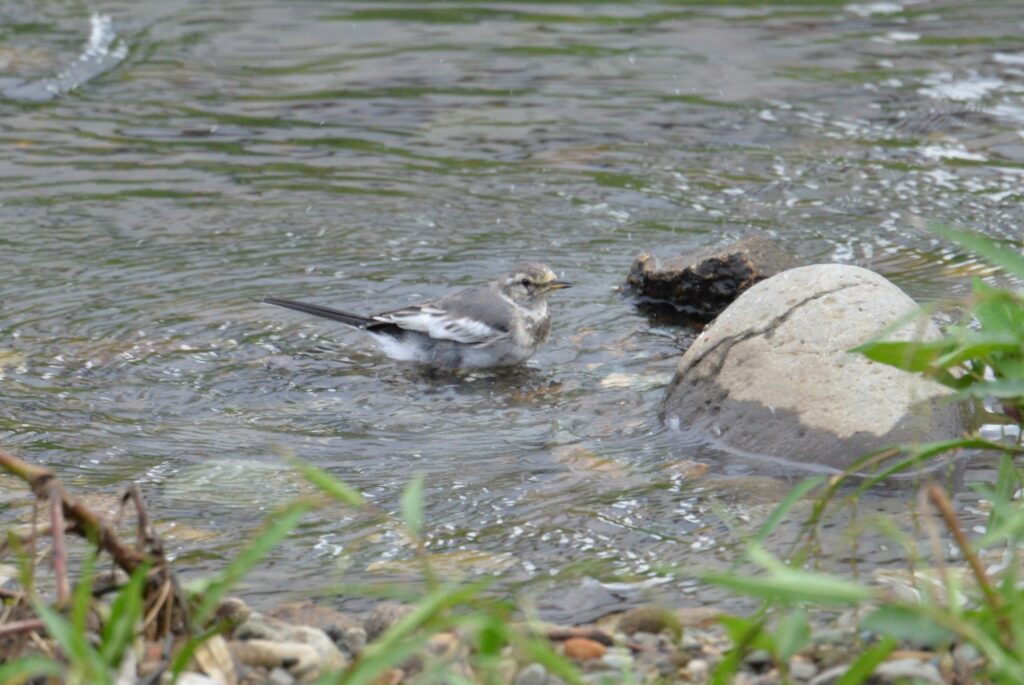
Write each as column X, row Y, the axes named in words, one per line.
column 758, row 659
column 392, row 676
column 801, row 669
column 279, row 676
column 442, row 645
column 583, row 649
column 907, row 670
column 234, row 611
column 697, row 671
column 534, row 674
column 383, row 616
column 651, row 619
column 965, row 660
column 618, row 658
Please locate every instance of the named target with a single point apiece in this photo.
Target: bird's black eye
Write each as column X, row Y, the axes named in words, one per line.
column 525, row 282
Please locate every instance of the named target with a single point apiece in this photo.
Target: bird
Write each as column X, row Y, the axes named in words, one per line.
column 501, row 323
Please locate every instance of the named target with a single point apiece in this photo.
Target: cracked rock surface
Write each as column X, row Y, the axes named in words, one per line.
column 772, row 377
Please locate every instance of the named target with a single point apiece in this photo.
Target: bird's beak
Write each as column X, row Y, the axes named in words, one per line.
column 557, row 285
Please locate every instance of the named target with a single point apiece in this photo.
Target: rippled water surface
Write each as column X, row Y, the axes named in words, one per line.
column 165, row 164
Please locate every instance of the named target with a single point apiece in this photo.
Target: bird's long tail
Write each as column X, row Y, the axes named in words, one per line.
column 325, row 312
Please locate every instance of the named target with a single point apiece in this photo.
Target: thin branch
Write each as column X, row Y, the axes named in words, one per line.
column 992, row 598
column 60, row 554
column 26, row 626
column 144, row 533
column 44, row 484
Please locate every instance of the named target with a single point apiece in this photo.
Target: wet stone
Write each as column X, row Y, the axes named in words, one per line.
column 703, row 284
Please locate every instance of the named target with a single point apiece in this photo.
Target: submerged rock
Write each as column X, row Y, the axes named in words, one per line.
column 702, row 284
column 773, row 377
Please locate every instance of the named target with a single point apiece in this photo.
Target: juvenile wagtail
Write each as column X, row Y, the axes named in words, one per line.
column 498, row 324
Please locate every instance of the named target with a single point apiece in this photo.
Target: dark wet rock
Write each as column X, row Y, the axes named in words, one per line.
column 702, row 284
column 383, row 616
column 772, row 377
column 651, row 619
column 344, row 630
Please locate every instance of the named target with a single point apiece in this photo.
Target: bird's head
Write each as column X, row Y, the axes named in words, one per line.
column 530, row 283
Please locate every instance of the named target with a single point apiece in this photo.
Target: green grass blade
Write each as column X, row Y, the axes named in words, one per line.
column 29, row 668
column 412, row 506
column 780, row 511
column 861, row 669
column 786, row 584
column 81, row 656
column 329, row 485
column 913, row 356
column 402, row 639
column 125, row 612
column 993, row 252
column 901, row 622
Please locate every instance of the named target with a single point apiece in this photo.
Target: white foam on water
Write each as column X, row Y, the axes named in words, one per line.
column 101, row 53
column 866, row 9
column 944, row 86
column 1015, row 59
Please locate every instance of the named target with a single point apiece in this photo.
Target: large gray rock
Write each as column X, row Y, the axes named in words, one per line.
column 772, row 376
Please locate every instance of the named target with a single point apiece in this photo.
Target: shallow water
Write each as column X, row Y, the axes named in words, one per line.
column 369, row 154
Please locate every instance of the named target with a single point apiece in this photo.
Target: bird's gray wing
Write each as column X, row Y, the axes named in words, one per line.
column 475, row 316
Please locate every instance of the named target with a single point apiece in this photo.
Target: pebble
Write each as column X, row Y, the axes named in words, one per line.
column 383, row 616
column 279, row 676
column 800, row 669
column 583, row 649
column 697, row 671
column 902, row 670
column 618, row 658
column 534, row 674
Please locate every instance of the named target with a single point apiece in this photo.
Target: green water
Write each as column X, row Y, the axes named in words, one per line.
column 370, row 154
